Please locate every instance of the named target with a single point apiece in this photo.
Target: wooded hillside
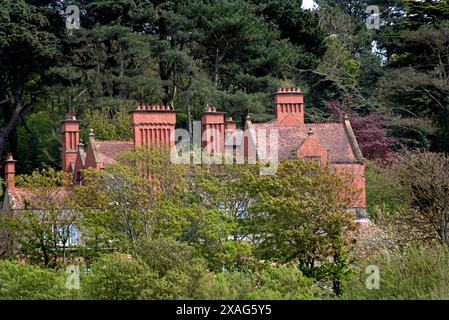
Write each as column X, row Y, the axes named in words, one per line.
column 394, row 81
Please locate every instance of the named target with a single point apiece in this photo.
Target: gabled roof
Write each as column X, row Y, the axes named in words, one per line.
column 23, row 198
column 107, row 151
column 337, row 138
column 290, row 120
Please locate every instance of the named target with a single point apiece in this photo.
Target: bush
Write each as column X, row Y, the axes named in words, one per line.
column 25, row 282
column 417, row 273
column 283, row 283
column 226, row 286
column 271, row 283
column 382, row 191
column 116, row 277
column 177, row 269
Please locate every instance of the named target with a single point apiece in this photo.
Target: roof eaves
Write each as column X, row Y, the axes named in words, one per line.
column 352, row 140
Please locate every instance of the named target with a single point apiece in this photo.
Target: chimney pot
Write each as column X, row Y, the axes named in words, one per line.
column 10, row 171
column 289, row 101
column 153, row 127
column 70, row 139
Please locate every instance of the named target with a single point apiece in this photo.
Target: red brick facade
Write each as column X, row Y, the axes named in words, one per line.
column 10, row 172
column 153, row 125
column 289, row 106
column 213, row 130
column 332, row 144
column 70, row 141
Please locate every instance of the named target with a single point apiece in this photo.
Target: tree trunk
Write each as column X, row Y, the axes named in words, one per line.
column 216, row 65
column 6, row 131
column 189, row 110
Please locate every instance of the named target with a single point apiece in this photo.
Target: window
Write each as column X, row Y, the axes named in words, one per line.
column 73, row 234
column 61, row 234
column 66, row 235
column 315, row 159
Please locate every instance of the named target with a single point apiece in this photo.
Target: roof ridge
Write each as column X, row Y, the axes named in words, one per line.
column 115, row 141
column 323, row 123
column 353, row 140
column 296, row 126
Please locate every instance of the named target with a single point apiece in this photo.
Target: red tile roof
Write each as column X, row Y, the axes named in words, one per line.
column 107, row 150
column 21, row 198
column 332, row 136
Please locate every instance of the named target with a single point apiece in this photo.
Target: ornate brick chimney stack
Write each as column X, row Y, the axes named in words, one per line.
column 230, row 138
column 213, row 130
column 289, row 101
column 153, row 125
column 70, row 141
column 230, row 125
column 10, row 171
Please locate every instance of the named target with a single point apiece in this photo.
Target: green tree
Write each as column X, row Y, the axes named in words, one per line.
column 176, row 265
column 382, row 191
column 116, row 277
column 415, row 84
column 417, row 273
column 19, row 281
column 40, row 228
column 301, row 214
column 425, row 181
column 27, row 48
column 224, row 190
column 38, row 143
column 119, row 204
column 283, row 283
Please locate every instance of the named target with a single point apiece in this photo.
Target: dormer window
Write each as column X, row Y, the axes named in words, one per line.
column 315, row 159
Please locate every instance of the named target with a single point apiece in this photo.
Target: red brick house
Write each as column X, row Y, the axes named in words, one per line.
column 331, row 144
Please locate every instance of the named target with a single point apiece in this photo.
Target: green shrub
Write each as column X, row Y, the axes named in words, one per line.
column 382, row 191
column 417, row 273
column 116, row 277
column 226, row 286
column 176, row 267
column 283, row 283
column 25, row 282
column 271, row 283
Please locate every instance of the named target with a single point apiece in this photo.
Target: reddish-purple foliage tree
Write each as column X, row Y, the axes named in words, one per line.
column 369, row 130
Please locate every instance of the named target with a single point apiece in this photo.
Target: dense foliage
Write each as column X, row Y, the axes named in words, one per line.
column 224, row 232
column 192, row 223
column 231, row 53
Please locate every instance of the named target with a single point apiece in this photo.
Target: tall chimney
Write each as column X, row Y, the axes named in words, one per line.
column 230, row 136
column 230, row 125
column 213, row 130
column 153, row 125
column 10, row 171
column 289, row 101
column 70, row 141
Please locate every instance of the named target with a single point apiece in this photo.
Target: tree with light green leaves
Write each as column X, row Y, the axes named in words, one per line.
column 40, row 229
column 300, row 217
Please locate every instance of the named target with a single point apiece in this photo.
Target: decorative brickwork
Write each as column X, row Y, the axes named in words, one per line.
column 70, row 141
column 289, row 106
column 311, row 148
column 213, row 130
column 153, row 125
